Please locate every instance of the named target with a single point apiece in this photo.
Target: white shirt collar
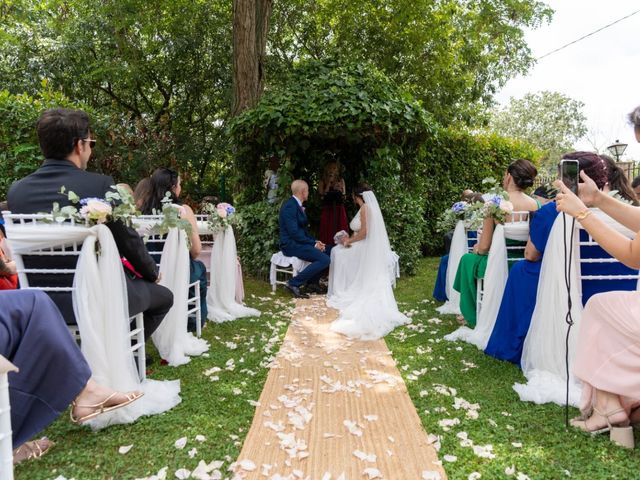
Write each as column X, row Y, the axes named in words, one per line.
column 297, row 200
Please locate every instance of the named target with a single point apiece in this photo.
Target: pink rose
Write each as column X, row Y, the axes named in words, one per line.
column 506, row 206
column 96, row 210
column 222, row 212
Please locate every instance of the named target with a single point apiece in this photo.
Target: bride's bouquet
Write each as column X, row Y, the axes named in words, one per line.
column 496, row 203
column 340, row 237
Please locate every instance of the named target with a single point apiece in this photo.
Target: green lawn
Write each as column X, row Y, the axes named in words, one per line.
column 529, row 437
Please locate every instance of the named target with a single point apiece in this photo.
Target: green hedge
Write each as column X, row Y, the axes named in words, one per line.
column 453, row 161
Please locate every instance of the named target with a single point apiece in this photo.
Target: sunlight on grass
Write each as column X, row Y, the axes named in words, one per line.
column 447, row 382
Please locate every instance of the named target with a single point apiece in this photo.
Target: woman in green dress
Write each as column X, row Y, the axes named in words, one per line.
column 519, row 176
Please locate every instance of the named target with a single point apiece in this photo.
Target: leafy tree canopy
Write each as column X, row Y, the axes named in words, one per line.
column 451, row 54
column 160, row 66
column 325, row 111
column 551, row 121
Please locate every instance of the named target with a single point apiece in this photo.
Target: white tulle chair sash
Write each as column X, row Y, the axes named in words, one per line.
column 459, row 246
column 495, row 279
column 221, row 302
column 174, row 342
column 101, row 310
column 543, row 355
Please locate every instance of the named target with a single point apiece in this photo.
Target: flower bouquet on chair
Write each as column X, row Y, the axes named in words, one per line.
column 340, row 237
column 221, row 216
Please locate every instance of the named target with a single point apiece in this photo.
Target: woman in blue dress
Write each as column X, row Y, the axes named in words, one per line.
column 519, row 298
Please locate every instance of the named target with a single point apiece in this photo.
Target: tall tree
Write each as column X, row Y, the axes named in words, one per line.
column 250, row 29
column 550, row 121
column 451, row 54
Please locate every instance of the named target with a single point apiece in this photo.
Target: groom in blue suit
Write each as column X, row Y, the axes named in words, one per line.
column 295, row 241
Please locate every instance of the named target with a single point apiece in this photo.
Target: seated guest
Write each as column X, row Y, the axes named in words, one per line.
column 519, row 298
column 66, row 143
column 636, row 185
column 8, row 272
column 52, row 371
column 607, row 357
column 519, row 176
column 165, row 180
column 544, row 194
column 142, row 192
column 440, row 287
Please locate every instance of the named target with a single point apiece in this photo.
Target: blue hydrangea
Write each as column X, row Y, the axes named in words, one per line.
column 459, row 207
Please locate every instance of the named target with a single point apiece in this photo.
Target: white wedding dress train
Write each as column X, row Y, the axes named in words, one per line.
column 360, row 281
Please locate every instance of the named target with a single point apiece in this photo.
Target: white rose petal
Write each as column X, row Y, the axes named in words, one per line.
column 474, row 476
column 125, row 449
column 431, row 475
column 510, row 470
column 367, row 457
column 200, row 438
column 372, row 473
column 183, row 474
column 180, row 443
column 193, row 452
column 450, row 458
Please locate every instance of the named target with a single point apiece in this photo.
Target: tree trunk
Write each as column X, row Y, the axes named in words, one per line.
column 250, row 28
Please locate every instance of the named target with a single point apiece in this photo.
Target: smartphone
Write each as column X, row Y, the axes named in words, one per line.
column 569, row 174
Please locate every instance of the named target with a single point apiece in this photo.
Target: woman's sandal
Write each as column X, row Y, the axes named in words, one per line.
column 131, row 397
column 620, row 434
column 32, row 449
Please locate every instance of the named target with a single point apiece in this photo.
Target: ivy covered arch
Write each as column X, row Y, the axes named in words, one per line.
column 350, row 113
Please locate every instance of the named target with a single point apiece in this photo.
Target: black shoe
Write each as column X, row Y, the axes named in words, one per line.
column 315, row 288
column 296, row 291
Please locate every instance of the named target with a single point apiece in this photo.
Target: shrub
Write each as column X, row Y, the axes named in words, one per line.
column 257, row 236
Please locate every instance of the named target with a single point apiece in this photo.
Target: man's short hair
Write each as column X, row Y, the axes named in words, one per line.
column 298, row 186
column 59, row 130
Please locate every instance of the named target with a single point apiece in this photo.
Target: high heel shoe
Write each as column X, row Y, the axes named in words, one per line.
column 620, row 433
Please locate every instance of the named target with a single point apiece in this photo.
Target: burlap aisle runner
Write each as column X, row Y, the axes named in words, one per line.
column 334, row 409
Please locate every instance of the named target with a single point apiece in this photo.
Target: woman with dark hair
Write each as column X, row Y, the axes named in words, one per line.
column 361, row 275
column 165, row 181
column 519, row 176
column 519, row 298
column 618, row 178
column 607, row 359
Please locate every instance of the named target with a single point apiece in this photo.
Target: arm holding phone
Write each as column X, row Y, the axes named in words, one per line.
column 625, row 250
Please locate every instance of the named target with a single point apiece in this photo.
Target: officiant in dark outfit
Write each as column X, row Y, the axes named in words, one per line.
column 66, row 143
column 295, row 241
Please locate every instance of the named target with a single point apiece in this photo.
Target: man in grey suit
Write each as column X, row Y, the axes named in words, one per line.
column 66, row 143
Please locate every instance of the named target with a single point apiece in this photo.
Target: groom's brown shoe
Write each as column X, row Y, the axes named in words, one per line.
column 296, row 291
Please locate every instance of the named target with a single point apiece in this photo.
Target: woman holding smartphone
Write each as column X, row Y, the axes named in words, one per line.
column 608, row 351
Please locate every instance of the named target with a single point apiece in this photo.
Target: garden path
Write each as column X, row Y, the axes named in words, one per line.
column 333, row 408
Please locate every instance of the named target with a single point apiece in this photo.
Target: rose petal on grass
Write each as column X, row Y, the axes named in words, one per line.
column 183, row 474
column 180, row 443
column 450, row 458
column 125, row 449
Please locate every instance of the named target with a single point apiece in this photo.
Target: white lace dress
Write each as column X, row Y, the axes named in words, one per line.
column 359, row 281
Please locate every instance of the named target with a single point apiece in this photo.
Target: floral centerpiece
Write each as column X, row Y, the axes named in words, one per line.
column 118, row 204
column 221, row 216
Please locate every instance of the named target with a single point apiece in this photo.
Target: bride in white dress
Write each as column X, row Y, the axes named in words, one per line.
column 360, row 280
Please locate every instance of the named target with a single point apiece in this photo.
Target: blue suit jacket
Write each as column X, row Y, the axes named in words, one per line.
column 293, row 226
